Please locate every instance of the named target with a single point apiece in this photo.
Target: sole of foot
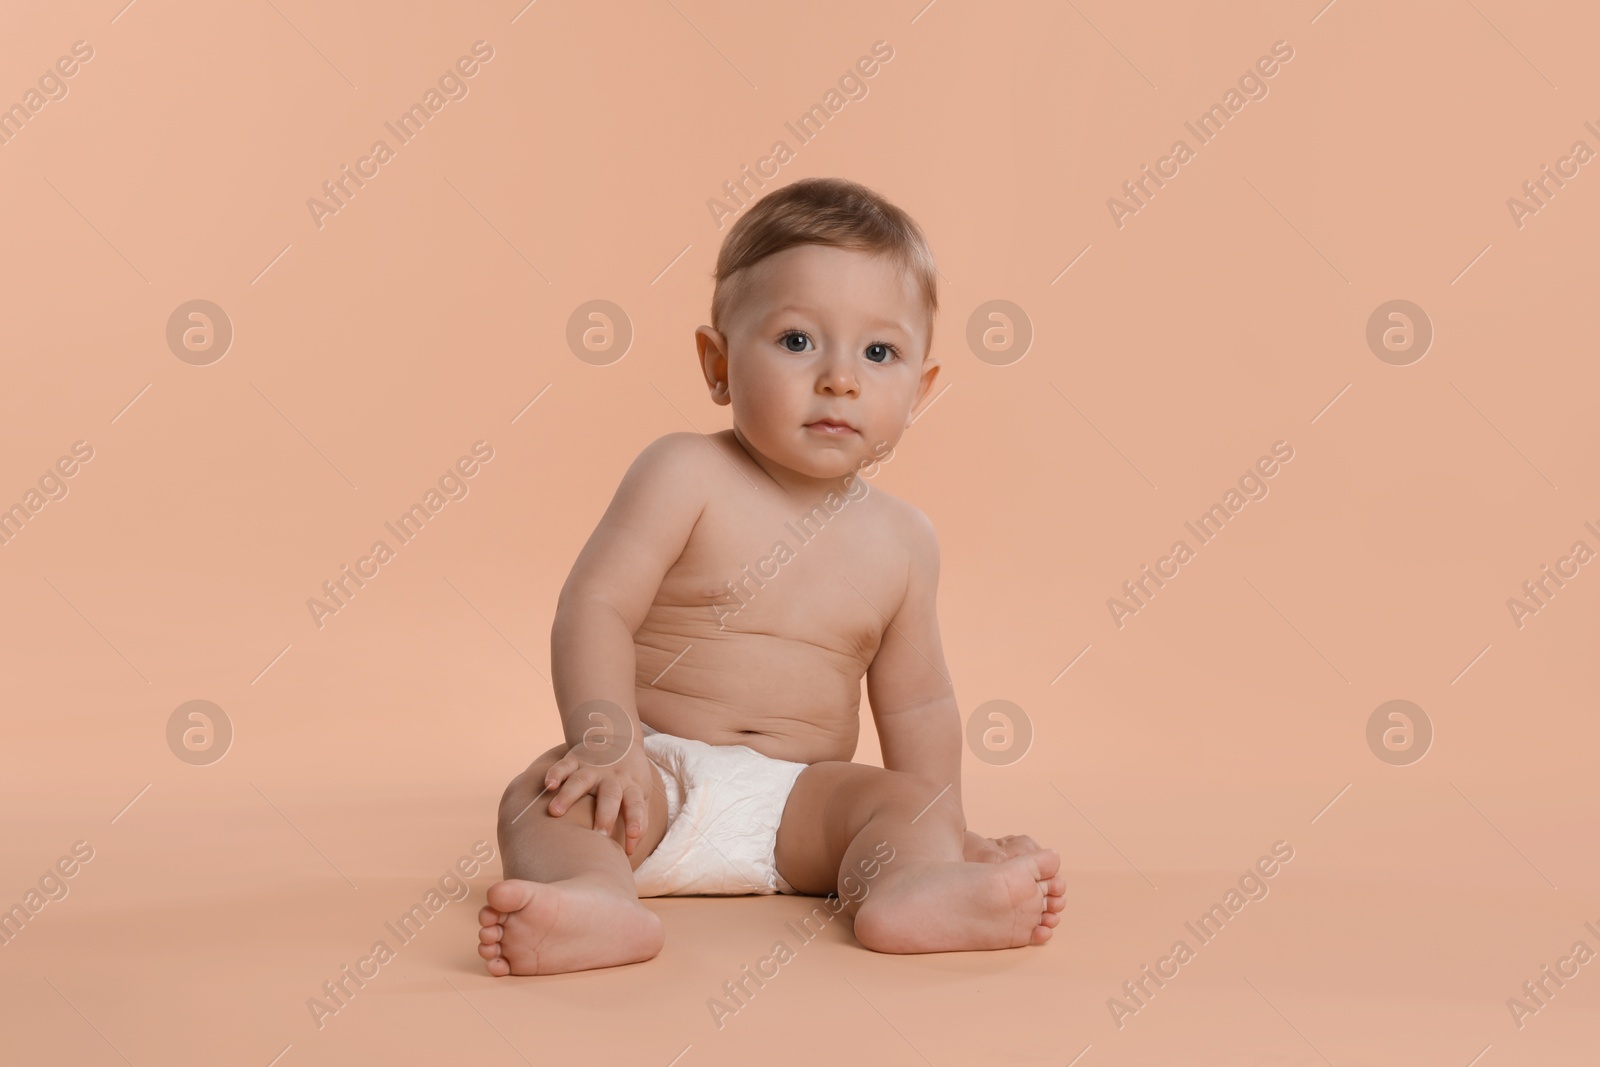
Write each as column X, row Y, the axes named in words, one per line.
column 556, row 927
column 980, row 849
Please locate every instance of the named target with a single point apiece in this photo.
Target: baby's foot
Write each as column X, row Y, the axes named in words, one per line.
column 950, row 907
column 980, row 849
column 571, row 925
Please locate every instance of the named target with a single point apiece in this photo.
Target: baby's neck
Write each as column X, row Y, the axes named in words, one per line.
column 800, row 486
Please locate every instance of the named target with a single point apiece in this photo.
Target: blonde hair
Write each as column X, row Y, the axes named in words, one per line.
column 821, row 211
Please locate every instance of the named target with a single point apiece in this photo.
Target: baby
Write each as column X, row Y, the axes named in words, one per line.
column 709, row 643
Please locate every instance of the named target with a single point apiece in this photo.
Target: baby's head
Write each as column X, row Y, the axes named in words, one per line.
column 823, row 310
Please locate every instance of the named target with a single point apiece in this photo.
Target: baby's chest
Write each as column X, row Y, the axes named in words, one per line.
column 828, row 581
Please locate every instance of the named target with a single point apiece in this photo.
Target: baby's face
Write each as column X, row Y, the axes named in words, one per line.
column 822, row 334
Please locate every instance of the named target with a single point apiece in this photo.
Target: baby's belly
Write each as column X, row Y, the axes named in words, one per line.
column 785, row 698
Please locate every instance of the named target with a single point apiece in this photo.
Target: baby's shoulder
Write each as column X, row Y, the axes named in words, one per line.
column 683, row 456
column 908, row 523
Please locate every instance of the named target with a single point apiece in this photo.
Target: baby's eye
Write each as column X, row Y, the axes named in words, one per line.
column 880, row 351
column 790, row 336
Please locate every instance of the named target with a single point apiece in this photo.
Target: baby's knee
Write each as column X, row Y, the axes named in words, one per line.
column 900, row 790
column 517, row 795
column 527, row 786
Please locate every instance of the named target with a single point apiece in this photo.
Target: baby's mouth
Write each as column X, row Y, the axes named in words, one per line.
column 830, row 426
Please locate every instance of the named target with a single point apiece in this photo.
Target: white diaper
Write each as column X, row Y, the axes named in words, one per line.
column 724, row 804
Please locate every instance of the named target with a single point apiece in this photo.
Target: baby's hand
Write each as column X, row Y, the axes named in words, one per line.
column 624, row 784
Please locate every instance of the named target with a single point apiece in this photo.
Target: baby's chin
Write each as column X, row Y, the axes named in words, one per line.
column 822, row 462
column 835, row 470
column 814, row 455
column 836, row 464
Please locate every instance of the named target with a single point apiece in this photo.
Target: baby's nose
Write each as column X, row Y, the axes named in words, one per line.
column 838, row 376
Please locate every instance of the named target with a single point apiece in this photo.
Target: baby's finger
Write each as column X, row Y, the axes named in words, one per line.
column 608, row 800
column 637, row 802
column 635, row 814
column 577, row 785
column 558, row 772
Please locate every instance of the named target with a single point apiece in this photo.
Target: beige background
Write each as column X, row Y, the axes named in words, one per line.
column 426, row 314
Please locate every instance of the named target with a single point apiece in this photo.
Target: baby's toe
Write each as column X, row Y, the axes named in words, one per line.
column 510, row 896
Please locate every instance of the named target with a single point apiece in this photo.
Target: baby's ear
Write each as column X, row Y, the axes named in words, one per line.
column 713, row 349
column 930, row 372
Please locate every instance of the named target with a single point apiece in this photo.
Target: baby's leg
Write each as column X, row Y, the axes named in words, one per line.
column 843, row 819
column 568, row 902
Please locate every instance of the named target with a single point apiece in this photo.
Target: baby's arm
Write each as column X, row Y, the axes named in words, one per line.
column 908, row 686
column 604, row 601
